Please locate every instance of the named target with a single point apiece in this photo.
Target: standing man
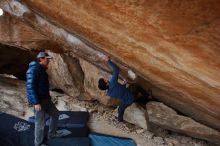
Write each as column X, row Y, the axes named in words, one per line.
column 39, row 96
column 119, row 91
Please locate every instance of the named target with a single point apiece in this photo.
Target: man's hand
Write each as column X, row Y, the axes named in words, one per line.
column 37, row 107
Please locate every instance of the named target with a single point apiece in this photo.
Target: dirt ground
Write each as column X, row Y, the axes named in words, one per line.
column 102, row 120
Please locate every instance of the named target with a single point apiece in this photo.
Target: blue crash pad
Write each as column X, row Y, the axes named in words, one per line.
column 77, row 132
column 69, row 119
column 15, row 131
column 74, row 119
column 106, row 140
column 81, row 141
column 18, row 132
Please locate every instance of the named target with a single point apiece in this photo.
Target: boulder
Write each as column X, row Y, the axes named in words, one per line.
column 167, row 118
column 136, row 115
column 174, row 45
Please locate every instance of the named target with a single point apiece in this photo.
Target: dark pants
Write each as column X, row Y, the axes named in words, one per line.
column 136, row 90
column 48, row 107
column 121, row 111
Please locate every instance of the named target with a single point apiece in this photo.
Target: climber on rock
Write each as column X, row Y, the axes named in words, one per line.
column 117, row 90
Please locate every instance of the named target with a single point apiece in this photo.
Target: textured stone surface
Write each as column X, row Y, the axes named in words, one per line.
column 19, row 44
column 78, row 78
column 167, row 118
column 13, row 96
column 61, row 77
column 172, row 44
column 136, row 115
column 16, row 33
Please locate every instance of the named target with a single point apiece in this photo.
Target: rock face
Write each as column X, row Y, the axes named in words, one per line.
column 19, row 44
column 163, row 116
column 61, row 77
column 78, row 78
column 16, row 33
column 13, row 96
column 174, row 45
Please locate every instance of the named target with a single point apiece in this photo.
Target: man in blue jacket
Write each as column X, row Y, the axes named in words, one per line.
column 39, row 96
column 119, row 91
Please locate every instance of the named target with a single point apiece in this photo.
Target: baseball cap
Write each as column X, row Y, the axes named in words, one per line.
column 44, row 55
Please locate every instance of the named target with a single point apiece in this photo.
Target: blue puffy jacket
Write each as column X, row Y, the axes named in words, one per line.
column 37, row 83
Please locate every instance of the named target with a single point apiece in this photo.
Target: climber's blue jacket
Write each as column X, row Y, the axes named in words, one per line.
column 117, row 90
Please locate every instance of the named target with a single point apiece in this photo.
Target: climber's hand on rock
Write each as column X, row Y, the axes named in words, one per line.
column 103, row 57
column 124, row 82
column 106, row 58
